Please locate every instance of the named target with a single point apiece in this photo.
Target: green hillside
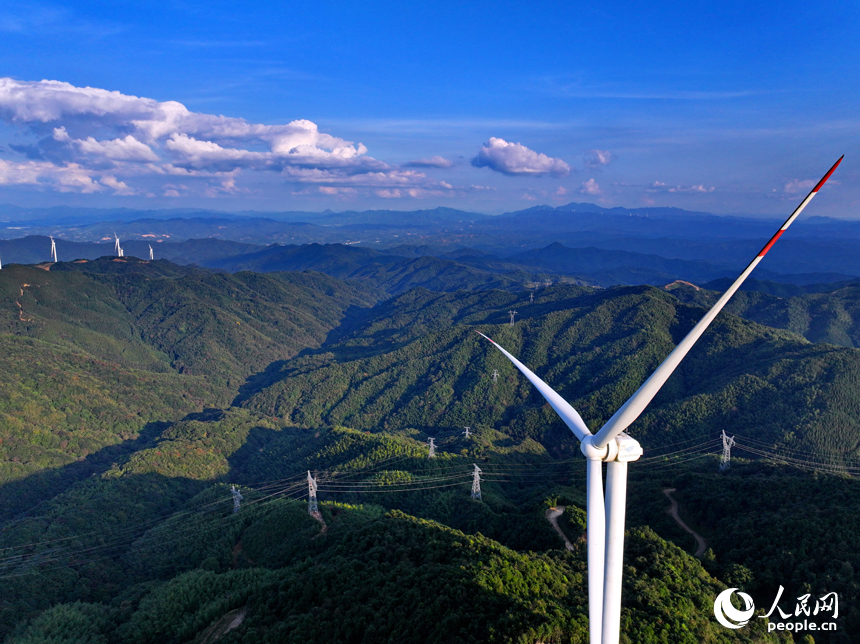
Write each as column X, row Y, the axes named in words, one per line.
column 228, row 326
column 832, row 316
column 418, row 363
column 94, row 352
column 148, row 552
column 120, row 446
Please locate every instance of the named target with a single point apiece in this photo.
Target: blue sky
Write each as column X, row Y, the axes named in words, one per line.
column 487, row 106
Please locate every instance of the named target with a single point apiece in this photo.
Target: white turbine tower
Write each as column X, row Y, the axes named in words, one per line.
column 151, row 256
column 605, row 534
column 116, row 247
column 53, row 251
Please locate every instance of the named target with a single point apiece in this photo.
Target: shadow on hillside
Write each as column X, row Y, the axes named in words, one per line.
column 23, row 496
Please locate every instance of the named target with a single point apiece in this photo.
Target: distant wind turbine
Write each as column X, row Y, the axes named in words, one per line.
column 53, row 251
column 151, row 257
column 610, row 445
column 116, row 247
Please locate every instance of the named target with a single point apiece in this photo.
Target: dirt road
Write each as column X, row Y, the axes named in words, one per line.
column 552, row 516
column 673, row 510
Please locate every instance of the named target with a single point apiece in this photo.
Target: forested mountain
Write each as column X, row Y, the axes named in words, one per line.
column 139, row 392
column 94, row 351
column 820, row 313
column 419, row 363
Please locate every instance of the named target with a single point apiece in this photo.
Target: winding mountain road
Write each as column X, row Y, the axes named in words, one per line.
column 552, row 516
column 673, row 510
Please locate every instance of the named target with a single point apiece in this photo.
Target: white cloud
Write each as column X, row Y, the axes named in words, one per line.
column 799, row 185
column 659, row 186
column 432, row 162
column 589, row 187
column 118, row 187
column 101, row 136
column 597, row 158
column 388, row 194
column 561, row 192
column 68, row 178
column 125, row 149
column 517, row 159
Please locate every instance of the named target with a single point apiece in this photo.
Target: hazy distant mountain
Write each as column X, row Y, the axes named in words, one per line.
column 589, row 261
column 34, row 249
column 392, row 273
column 336, row 260
column 670, row 236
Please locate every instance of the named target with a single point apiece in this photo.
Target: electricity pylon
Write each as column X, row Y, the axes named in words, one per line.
column 312, row 495
column 466, row 433
column 727, row 452
column 531, row 298
column 432, row 453
column 512, row 314
column 476, row 483
column 495, row 375
column 237, row 498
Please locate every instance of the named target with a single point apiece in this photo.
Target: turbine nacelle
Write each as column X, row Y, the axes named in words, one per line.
column 623, row 449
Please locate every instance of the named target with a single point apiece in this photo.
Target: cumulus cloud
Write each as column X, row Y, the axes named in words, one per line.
column 68, row 178
column 125, row 149
column 119, row 187
column 517, row 159
column 432, row 162
column 87, row 139
column 590, row 187
column 597, row 158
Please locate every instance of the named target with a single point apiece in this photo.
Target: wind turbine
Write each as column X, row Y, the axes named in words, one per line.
column 53, row 251
column 610, row 445
column 117, row 248
column 151, row 256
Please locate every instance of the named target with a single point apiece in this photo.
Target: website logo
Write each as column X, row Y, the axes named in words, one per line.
column 805, row 616
column 727, row 614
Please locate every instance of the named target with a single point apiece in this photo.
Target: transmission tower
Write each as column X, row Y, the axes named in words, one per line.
column 237, row 498
column 547, row 282
column 312, row 495
column 432, row 453
column 495, row 375
column 476, row 483
column 531, row 298
column 512, row 314
column 727, row 451
column 466, row 433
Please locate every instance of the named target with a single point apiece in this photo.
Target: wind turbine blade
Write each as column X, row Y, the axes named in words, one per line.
column 563, row 408
column 595, row 539
column 636, row 404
